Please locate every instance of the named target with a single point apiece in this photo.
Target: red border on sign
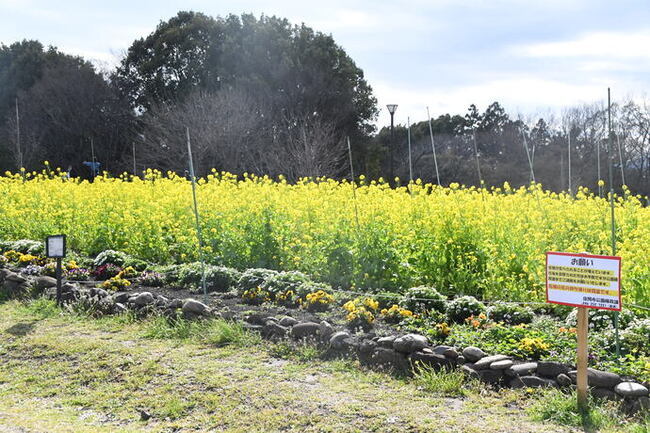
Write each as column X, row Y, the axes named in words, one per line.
column 620, row 303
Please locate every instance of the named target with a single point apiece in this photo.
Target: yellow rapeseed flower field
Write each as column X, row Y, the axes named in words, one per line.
column 485, row 242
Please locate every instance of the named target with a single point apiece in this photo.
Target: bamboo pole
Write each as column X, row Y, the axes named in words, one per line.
column 433, row 147
column 196, row 215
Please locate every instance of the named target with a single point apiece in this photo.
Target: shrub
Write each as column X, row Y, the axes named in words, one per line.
column 23, row 246
column 253, row 278
column 12, row 256
column 151, row 279
column 113, row 257
column 106, row 271
column 424, row 298
column 28, row 259
column 395, row 314
column 388, row 299
column 310, row 287
column 510, row 314
column 217, row 278
column 256, row 296
column 318, row 301
column 478, row 322
column 32, row 270
column 128, row 272
column 463, row 307
column 78, row 274
column 3, row 261
column 288, row 298
column 116, row 284
column 282, row 282
column 137, row 264
column 360, row 313
column 601, row 319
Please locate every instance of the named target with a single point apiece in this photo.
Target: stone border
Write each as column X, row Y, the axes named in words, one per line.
column 399, row 354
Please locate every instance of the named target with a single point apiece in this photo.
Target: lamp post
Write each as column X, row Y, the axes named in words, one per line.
column 391, row 109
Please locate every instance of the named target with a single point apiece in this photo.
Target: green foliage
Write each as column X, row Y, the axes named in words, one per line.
column 463, row 307
column 242, row 52
column 42, row 308
column 217, row 278
column 253, row 278
column 602, row 319
column 562, row 408
column 387, row 299
column 23, row 246
column 214, row 331
column 282, row 282
column 510, row 314
column 424, row 298
column 449, row 383
column 113, row 257
column 302, row 351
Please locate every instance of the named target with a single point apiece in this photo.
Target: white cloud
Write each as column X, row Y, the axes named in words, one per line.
column 627, row 45
column 515, row 93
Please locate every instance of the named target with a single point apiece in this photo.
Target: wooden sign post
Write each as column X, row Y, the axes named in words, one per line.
column 583, row 281
column 55, row 247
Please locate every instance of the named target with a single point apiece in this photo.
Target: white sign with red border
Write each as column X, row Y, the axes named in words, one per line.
column 583, row 280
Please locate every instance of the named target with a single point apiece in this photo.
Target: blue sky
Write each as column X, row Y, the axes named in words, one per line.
column 535, row 57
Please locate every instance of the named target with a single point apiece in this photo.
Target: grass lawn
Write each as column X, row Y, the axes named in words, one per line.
column 67, row 373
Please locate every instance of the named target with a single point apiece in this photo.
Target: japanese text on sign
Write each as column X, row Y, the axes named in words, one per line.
column 583, row 280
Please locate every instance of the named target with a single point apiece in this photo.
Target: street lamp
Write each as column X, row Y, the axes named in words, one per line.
column 391, row 109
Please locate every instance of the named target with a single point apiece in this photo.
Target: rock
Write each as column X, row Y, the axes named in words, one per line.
column 119, row 308
column 337, row 340
column 305, row 329
column 604, row 394
column 461, row 360
column 551, row 368
column 253, row 328
column 69, row 287
column 175, row 304
column 43, row 282
column 274, row 329
column 192, row 306
column 451, row 353
column 100, row 293
column 367, row 347
column 16, row 278
column 143, row 299
column 469, row 371
column 531, row 381
column 441, row 349
column 473, row 354
column 288, row 321
column 598, row 378
column 490, row 376
column 640, row 404
column 256, row 319
column 484, row 362
column 524, row 369
column 501, row 365
column 410, row 343
column 121, row 297
column 429, row 359
column 631, row 389
column 144, row 415
column 386, row 342
column 563, row 380
column 389, row 359
column 325, row 330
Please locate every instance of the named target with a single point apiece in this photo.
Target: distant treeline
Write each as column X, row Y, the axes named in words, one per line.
column 264, row 96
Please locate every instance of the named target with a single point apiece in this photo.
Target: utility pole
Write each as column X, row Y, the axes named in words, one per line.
column 20, row 153
column 391, row 109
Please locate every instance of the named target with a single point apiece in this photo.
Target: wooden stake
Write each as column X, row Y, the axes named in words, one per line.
column 583, row 353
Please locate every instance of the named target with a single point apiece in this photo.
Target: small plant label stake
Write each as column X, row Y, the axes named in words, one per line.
column 583, row 281
column 55, row 248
